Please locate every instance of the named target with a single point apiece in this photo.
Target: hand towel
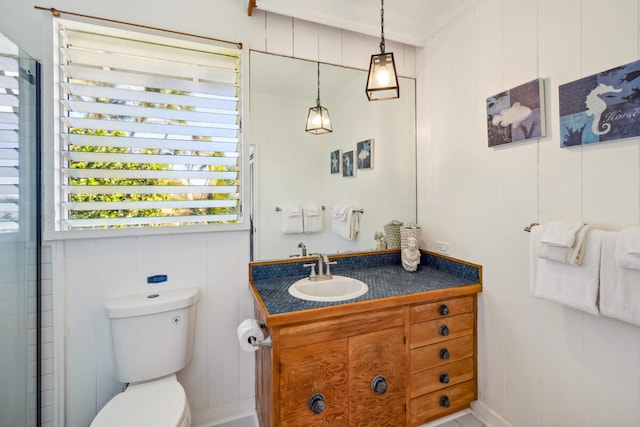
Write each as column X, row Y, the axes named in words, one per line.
column 567, row 255
column 561, row 233
column 291, row 221
column 627, row 251
column 346, row 225
column 312, row 219
column 619, row 286
column 574, row 286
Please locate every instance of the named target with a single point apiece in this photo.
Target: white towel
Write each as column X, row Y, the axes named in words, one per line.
column 619, row 287
column 628, row 248
column 567, row 255
column 312, row 219
column 346, row 225
column 561, row 233
column 574, row 286
column 291, row 221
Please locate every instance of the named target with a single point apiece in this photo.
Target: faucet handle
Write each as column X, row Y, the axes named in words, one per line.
column 328, row 265
column 313, row 269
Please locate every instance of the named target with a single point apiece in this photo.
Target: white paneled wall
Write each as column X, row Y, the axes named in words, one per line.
column 540, row 364
column 79, row 369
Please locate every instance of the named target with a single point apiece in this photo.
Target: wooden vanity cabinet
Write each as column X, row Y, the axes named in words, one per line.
column 403, row 364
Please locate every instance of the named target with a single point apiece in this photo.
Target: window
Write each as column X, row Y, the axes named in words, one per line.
column 9, row 132
column 150, row 130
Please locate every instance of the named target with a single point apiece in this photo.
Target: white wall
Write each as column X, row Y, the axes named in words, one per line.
column 86, row 272
column 540, row 364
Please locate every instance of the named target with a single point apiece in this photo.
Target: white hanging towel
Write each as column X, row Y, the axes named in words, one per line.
column 346, row 222
column 574, row 286
column 619, row 286
column 312, row 219
column 628, row 248
column 291, row 221
column 561, row 233
column 566, row 254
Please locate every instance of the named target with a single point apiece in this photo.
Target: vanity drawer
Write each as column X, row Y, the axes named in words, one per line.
column 430, row 356
column 442, row 402
column 440, row 309
column 340, row 327
column 444, row 329
column 440, row 377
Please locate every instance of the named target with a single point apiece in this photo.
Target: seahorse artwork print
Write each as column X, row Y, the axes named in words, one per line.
column 596, row 106
column 601, row 107
column 516, row 114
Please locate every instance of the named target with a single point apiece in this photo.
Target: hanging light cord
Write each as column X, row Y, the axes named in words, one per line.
column 382, row 27
column 318, row 99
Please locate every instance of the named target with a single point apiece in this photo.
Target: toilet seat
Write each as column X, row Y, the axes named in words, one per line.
column 159, row 403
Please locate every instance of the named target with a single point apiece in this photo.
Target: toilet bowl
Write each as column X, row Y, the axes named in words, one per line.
column 159, row 403
column 152, row 340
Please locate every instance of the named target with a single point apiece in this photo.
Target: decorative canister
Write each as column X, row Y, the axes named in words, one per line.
column 409, row 246
column 392, row 232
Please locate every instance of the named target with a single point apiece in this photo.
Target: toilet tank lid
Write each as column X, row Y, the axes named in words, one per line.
column 151, row 302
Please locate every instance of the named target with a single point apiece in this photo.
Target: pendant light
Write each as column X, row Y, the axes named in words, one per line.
column 382, row 82
column 318, row 121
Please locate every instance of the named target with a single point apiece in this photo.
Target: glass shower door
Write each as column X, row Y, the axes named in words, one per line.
column 19, row 237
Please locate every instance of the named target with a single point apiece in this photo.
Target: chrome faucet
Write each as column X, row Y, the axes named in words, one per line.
column 323, row 261
column 303, row 249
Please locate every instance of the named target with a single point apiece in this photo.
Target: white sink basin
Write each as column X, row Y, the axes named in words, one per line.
column 339, row 288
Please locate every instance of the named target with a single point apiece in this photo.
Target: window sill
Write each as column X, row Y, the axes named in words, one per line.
column 52, row 236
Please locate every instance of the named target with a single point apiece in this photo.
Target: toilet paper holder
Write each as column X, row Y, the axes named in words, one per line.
column 265, row 342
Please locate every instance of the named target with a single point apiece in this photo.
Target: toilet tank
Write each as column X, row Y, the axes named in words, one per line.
column 152, row 333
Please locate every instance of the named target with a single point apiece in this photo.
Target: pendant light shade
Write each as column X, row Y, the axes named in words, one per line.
column 318, row 121
column 382, row 81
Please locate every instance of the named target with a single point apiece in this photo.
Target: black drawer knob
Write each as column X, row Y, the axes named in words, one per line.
column 316, row 403
column 444, row 378
column 379, row 384
column 444, row 354
column 445, row 402
column 443, row 330
column 443, row 310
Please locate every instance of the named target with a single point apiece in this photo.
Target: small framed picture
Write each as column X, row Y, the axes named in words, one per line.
column 364, row 150
column 348, row 168
column 335, row 161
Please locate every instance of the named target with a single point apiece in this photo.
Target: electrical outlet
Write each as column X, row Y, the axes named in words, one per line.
column 442, row 247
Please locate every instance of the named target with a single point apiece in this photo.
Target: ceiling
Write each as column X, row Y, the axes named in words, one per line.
column 405, row 21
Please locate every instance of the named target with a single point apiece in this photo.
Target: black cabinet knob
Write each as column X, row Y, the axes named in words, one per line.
column 444, row 378
column 443, row 330
column 316, row 403
column 443, row 310
column 444, row 354
column 445, row 402
column 379, row 384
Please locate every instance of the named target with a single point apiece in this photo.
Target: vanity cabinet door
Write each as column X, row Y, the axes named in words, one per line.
column 314, row 385
column 377, row 392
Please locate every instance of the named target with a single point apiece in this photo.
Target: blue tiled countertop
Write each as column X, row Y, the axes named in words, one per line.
column 382, row 271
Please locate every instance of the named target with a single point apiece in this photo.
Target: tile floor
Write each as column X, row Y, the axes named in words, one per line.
column 466, row 420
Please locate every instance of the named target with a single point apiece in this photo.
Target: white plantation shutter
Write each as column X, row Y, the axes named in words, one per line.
column 150, row 130
column 9, row 153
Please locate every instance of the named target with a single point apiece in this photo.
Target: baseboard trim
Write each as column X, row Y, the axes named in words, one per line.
column 487, row 415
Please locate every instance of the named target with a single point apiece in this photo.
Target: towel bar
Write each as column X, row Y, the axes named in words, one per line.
column 278, row 209
column 528, row 227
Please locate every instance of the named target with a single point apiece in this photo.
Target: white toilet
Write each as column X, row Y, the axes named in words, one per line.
column 152, row 340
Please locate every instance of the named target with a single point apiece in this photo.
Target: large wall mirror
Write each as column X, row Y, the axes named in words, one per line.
column 292, row 168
